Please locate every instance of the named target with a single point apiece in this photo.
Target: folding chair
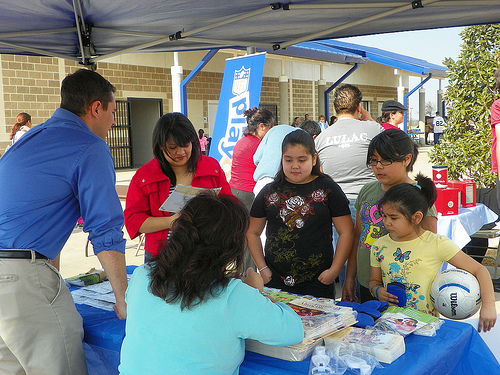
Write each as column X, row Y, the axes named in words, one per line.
column 141, row 244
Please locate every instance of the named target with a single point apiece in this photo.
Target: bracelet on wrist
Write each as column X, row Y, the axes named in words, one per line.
column 376, row 291
column 373, row 286
column 262, row 269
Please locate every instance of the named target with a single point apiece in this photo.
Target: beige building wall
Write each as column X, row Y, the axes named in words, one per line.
column 31, row 84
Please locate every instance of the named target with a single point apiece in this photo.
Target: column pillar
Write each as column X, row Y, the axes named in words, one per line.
column 321, row 97
column 176, row 71
column 284, row 115
column 439, row 103
column 401, row 88
column 421, row 105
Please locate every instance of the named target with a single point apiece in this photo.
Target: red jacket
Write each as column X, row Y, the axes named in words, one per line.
column 386, row 126
column 149, row 188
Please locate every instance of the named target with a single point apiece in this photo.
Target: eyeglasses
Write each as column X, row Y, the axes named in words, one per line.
column 383, row 162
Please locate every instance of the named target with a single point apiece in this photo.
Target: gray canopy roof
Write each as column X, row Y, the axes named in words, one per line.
column 90, row 30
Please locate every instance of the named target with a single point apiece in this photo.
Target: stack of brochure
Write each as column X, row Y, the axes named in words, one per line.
column 293, row 353
column 384, row 346
column 403, row 320
column 320, row 317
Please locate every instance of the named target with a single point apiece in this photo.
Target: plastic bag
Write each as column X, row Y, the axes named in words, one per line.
column 326, row 362
column 356, row 361
column 429, row 329
column 360, row 363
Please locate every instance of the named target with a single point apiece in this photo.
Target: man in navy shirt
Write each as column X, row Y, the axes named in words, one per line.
column 57, row 172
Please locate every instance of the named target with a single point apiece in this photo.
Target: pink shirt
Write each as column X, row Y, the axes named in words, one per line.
column 202, row 143
column 495, row 120
column 242, row 167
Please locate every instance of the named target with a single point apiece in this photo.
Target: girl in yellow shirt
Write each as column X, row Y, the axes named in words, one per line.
column 413, row 256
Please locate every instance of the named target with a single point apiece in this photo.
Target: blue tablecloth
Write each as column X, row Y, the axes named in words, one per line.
column 456, row 350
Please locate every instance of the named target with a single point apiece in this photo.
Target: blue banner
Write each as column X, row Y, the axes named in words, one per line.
column 240, row 91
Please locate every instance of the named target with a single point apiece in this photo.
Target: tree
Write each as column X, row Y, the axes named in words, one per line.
column 429, row 109
column 466, row 145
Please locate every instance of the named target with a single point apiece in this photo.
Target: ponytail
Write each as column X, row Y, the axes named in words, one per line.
column 428, row 189
column 411, row 198
column 256, row 116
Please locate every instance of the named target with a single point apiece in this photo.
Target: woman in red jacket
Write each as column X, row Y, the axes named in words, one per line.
column 177, row 160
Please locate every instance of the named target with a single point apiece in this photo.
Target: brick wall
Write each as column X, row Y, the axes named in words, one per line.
column 303, row 99
column 30, row 84
column 204, row 86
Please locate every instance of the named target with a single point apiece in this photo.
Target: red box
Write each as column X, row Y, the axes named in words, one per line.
column 467, row 192
column 447, row 201
column 440, row 174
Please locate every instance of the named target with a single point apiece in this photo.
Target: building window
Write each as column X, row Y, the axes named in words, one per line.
column 366, row 105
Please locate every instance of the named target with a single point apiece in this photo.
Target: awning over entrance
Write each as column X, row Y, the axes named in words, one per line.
column 395, row 60
column 350, row 53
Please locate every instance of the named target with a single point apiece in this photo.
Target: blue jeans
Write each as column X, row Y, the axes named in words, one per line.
column 437, row 138
column 335, row 238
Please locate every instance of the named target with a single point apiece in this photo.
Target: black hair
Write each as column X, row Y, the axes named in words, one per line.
column 310, row 127
column 204, row 249
column 82, row 88
column 393, row 144
column 409, row 198
column 386, row 116
column 256, row 116
column 181, row 130
column 299, row 138
column 346, row 99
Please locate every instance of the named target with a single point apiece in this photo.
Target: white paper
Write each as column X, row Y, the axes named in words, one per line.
column 181, row 195
column 97, row 295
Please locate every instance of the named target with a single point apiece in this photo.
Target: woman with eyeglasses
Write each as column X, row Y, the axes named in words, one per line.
column 259, row 121
column 391, row 156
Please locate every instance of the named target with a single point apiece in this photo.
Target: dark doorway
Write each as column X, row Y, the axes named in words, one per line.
column 144, row 113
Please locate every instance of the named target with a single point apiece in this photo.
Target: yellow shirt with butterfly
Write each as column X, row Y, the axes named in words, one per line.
column 413, row 263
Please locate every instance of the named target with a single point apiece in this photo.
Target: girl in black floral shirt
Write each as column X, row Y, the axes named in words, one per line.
column 299, row 208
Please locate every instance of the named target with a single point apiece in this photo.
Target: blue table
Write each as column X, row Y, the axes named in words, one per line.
column 456, row 350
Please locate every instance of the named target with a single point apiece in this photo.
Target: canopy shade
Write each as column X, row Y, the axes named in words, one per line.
column 413, row 65
column 91, row 30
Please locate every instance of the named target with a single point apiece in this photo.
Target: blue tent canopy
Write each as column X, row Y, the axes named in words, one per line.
column 341, row 52
column 394, row 60
column 88, row 31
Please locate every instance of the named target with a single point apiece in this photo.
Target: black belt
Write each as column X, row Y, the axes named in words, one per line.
column 20, row 254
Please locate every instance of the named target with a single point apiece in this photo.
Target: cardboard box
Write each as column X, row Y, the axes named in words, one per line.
column 447, row 201
column 440, row 174
column 467, row 192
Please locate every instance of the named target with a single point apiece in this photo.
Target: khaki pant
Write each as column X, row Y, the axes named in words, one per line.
column 40, row 330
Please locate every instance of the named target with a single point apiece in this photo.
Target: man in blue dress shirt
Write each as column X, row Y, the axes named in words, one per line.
column 57, row 172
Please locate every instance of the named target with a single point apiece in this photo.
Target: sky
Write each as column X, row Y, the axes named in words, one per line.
column 431, row 45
